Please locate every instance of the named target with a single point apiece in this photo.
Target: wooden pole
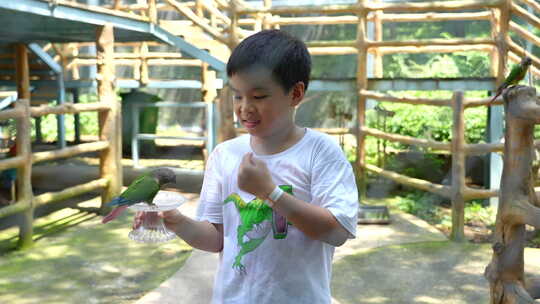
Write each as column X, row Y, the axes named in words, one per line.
column 110, row 122
column 233, row 28
column 362, row 84
column 518, row 204
column 267, row 18
column 377, row 21
column 152, row 11
column 458, row 168
column 144, row 77
column 225, row 109
column 495, row 29
column 226, row 118
column 199, row 8
column 22, row 72
column 502, row 45
column 441, row 190
column 208, row 79
column 24, row 174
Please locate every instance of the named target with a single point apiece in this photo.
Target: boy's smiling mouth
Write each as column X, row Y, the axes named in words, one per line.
column 250, row 124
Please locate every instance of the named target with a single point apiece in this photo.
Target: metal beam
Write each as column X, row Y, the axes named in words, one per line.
column 57, row 69
column 189, row 48
column 89, row 17
column 77, row 15
column 315, row 85
column 406, row 84
column 432, row 84
column 45, row 57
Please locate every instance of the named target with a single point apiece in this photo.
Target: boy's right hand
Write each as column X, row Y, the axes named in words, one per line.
column 170, row 218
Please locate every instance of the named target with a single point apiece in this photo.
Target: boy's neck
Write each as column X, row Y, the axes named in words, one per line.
column 278, row 142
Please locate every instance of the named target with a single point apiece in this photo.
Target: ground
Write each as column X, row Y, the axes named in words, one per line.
column 76, row 259
column 81, row 260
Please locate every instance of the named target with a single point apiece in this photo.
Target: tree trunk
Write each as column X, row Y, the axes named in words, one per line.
column 517, row 202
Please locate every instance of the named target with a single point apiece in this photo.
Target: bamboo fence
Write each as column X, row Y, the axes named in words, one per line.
column 228, row 22
column 110, row 180
column 500, row 46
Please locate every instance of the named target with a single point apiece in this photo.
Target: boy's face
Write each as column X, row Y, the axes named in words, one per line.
column 261, row 104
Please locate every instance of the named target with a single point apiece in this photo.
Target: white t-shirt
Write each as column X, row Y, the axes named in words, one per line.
column 256, row 266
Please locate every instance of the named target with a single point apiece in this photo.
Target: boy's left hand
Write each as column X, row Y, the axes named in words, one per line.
column 254, row 177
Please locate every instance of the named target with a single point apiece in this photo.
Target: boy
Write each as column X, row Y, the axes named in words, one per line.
column 275, row 202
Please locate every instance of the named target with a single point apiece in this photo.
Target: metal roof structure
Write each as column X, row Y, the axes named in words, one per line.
column 27, row 21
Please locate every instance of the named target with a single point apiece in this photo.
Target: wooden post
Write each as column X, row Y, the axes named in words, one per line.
column 74, row 67
column 233, row 28
column 377, row 22
column 495, row 29
column 226, row 118
column 199, row 8
column 518, row 204
column 152, row 11
column 144, row 77
column 267, row 18
column 24, row 174
column 117, row 4
column 208, row 79
column 458, row 168
column 225, row 110
column 502, row 44
column 24, row 149
column 362, row 84
column 110, row 124
column 22, row 72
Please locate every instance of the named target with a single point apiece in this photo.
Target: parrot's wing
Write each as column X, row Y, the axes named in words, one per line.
column 143, row 188
column 514, row 75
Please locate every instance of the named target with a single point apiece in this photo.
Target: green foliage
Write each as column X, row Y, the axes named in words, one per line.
column 88, row 122
column 428, row 207
column 427, row 122
column 458, row 64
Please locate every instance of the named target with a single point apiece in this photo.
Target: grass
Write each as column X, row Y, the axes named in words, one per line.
column 76, row 259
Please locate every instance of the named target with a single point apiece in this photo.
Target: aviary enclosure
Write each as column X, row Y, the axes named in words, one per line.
column 204, row 32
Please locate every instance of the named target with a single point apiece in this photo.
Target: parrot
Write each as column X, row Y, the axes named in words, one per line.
column 517, row 73
column 143, row 189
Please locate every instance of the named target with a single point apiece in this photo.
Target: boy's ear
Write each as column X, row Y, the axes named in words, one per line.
column 298, row 91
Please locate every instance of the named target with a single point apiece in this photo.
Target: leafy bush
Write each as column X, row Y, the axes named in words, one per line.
column 88, row 122
column 427, row 207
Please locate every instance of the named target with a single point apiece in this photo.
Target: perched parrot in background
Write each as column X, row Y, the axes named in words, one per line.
column 517, row 73
column 143, row 189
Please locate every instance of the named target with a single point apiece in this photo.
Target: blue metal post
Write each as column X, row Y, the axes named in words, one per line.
column 135, row 134
column 494, row 135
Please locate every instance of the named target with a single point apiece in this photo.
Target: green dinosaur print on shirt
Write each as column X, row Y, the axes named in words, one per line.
column 252, row 218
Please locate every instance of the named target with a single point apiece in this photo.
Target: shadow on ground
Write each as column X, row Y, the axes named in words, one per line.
column 88, row 262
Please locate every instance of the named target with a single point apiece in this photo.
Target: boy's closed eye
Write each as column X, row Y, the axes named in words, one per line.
column 257, row 97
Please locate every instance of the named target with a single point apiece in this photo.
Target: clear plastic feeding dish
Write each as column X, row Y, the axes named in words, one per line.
column 152, row 229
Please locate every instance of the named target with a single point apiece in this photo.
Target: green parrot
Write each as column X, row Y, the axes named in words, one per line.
column 517, row 73
column 143, row 189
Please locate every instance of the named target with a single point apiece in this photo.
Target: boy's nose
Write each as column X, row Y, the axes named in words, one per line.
column 246, row 107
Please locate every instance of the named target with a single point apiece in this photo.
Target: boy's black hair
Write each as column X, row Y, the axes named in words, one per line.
column 286, row 56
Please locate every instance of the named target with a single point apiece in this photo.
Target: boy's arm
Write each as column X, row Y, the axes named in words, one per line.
column 202, row 235
column 315, row 221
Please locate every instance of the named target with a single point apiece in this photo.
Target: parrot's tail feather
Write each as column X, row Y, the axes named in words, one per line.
column 495, row 97
column 114, row 214
column 118, row 201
